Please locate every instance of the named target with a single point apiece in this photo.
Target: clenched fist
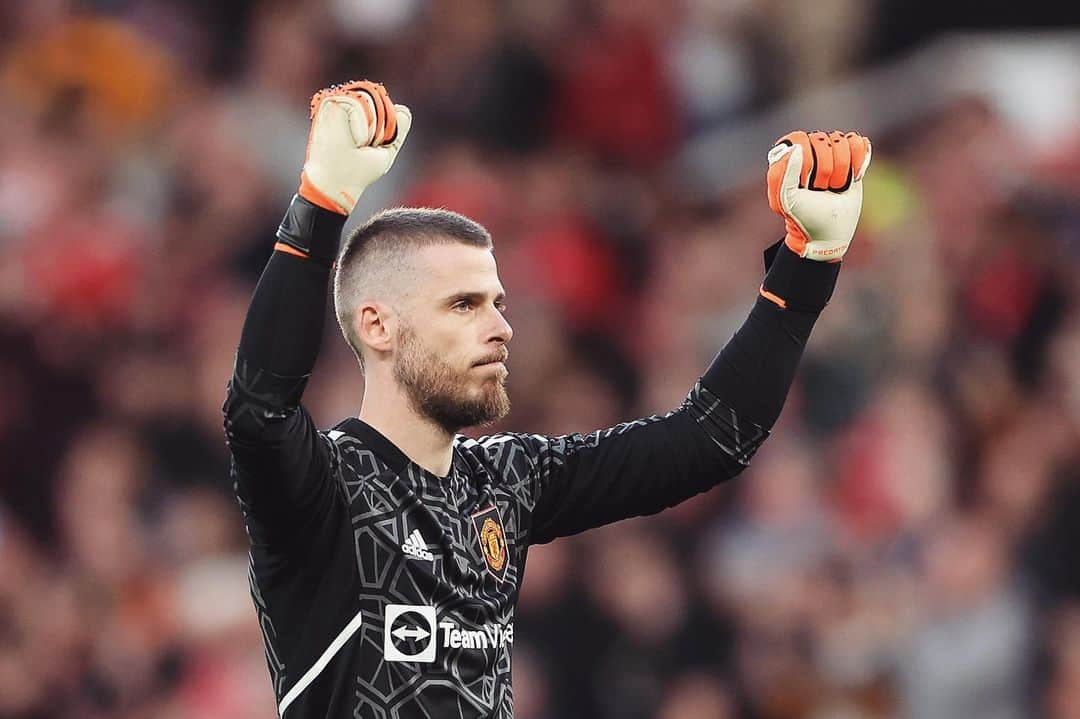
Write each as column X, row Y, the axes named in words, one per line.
column 356, row 132
column 815, row 184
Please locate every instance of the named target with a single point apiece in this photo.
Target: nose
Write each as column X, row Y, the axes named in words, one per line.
column 501, row 331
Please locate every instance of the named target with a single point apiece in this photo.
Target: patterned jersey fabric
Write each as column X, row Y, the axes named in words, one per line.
column 386, row 592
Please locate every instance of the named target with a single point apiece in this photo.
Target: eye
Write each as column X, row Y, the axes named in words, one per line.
column 463, row 305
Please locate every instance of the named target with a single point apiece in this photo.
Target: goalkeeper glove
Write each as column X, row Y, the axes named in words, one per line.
column 356, row 132
column 815, row 184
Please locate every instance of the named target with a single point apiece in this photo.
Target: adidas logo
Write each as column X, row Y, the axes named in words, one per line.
column 416, row 547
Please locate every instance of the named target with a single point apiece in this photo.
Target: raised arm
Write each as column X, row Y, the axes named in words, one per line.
column 642, row 467
column 281, row 465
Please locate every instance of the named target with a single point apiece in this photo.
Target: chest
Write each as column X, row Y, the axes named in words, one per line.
column 453, row 542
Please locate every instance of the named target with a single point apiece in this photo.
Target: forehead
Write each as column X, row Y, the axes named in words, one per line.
column 452, row 267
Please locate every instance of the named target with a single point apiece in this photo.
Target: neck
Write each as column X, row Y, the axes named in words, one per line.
column 388, row 409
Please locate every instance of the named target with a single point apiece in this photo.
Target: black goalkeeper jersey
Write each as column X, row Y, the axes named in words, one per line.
column 389, row 592
column 386, row 592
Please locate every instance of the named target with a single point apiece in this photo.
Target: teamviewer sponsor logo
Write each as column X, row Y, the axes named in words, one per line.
column 409, row 633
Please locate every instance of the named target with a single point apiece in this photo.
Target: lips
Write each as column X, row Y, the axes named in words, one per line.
column 501, row 358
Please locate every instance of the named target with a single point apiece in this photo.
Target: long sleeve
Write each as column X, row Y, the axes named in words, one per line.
column 281, row 464
column 647, row 465
column 754, row 371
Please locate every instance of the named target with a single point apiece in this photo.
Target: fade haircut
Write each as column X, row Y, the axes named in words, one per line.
column 375, row 261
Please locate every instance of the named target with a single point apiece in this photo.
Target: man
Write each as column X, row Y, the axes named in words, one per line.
column 387, row 553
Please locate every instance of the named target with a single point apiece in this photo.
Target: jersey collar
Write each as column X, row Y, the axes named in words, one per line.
column 382, row 446
column 387, row 450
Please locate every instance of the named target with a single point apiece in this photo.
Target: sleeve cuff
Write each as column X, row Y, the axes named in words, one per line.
column 795, row 283
column 311, row 230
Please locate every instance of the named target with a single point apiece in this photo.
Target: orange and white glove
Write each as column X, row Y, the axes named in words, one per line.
column 815, row 184
column 356, row 132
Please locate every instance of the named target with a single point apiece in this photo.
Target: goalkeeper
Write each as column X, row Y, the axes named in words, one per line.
column 387, row 553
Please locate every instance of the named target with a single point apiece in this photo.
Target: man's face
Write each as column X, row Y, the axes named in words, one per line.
column 451, row 342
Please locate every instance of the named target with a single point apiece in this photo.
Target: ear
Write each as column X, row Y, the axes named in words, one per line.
column 375, row 326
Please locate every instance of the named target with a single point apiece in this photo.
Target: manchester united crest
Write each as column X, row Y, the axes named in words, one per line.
column 489, row 530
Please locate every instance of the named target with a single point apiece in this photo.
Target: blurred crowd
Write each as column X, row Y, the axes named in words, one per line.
column 906, row 545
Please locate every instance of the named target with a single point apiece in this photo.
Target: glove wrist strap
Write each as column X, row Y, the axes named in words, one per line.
column 795, row 283
column 312, row 230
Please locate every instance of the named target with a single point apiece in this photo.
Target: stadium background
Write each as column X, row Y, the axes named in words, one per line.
column 905, row 545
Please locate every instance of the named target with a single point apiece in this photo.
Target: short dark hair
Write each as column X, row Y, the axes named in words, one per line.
column 380, row 247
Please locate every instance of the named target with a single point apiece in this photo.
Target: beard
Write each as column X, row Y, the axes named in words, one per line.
column 442, row 394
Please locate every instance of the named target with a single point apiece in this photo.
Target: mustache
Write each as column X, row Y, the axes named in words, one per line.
column 500, row 356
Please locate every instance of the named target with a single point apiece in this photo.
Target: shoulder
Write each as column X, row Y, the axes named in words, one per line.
column 505, row 450
column 352, row 455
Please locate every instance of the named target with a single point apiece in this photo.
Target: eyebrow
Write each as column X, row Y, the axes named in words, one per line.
column 474, row 297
